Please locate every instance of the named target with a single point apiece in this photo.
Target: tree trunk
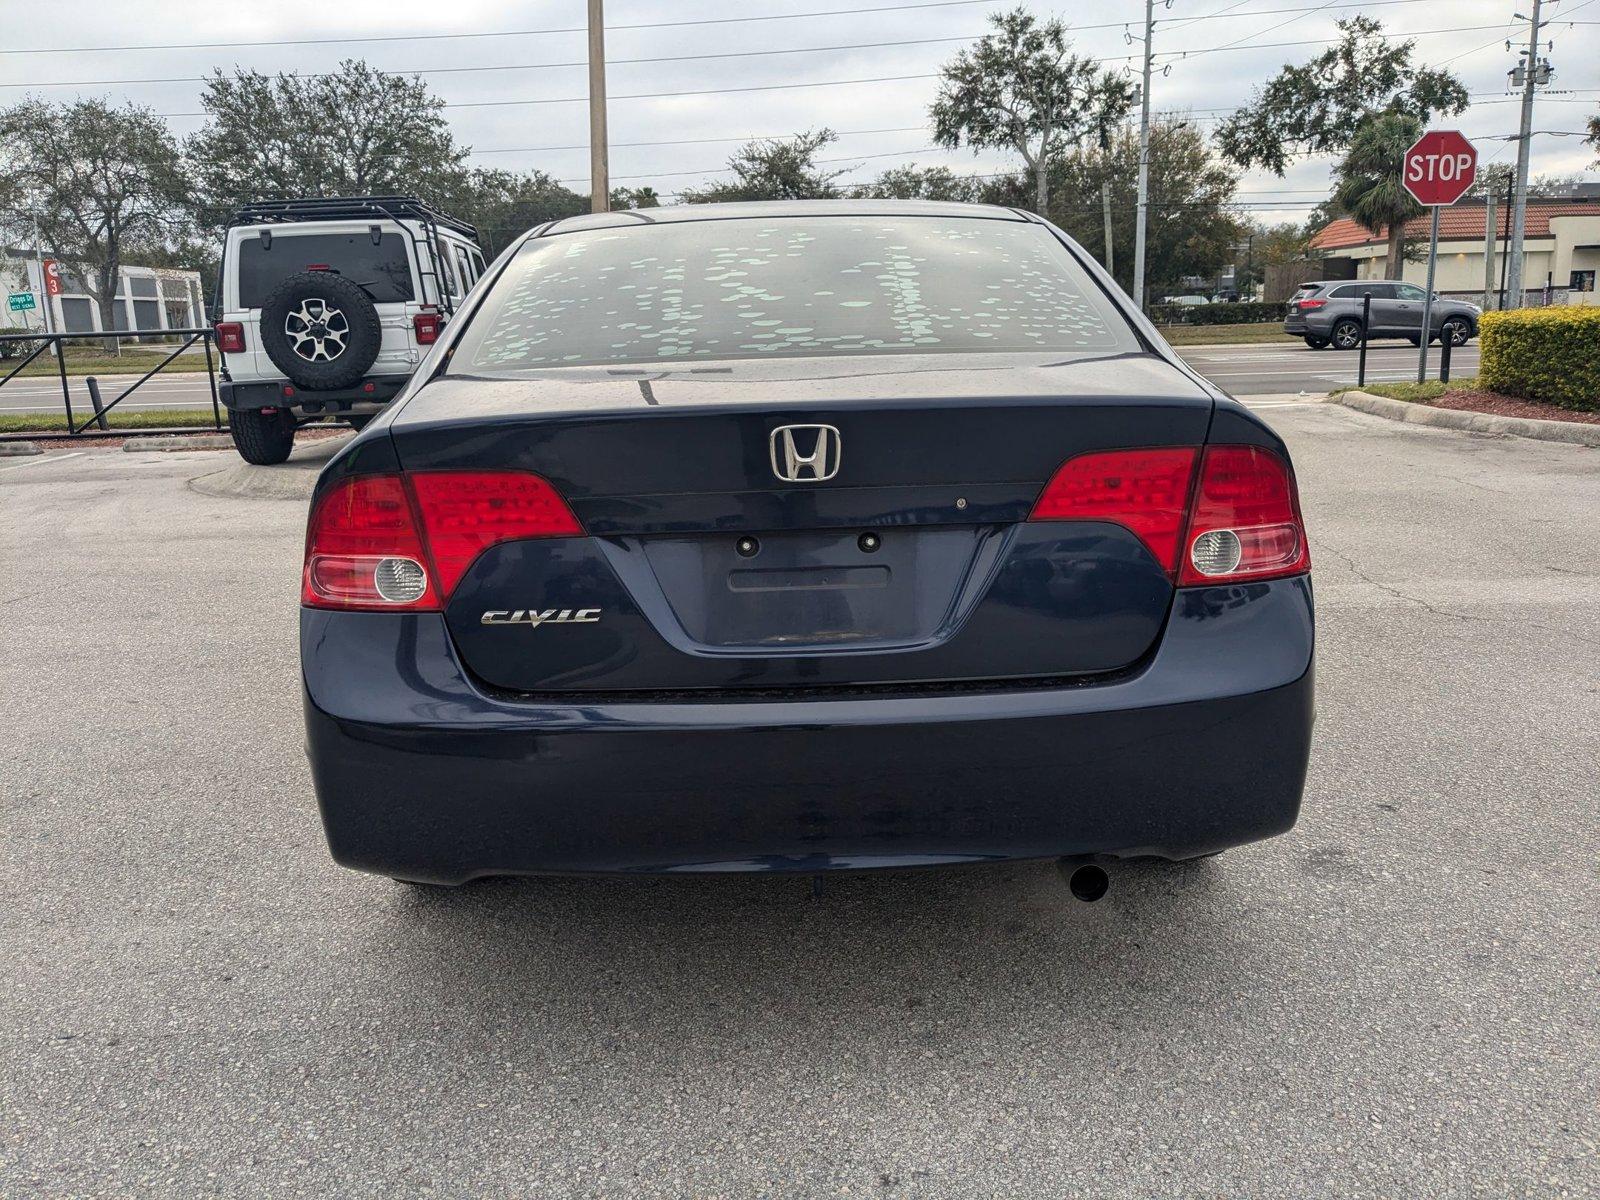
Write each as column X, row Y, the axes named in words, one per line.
column 1395, row 265
column 1041, row 188
column 106, row 277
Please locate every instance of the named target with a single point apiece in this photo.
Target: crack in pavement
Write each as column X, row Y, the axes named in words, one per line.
column 1350, row 565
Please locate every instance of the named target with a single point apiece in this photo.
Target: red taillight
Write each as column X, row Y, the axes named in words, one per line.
column 427, row 325
column 1246, row 522
column 466, row 512
column 1243, row 522
column 230, row 337
column 1146, row 491
column 1306, row 305
column 402, row 542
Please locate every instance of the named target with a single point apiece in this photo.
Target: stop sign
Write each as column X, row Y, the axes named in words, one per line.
column 1440, row 167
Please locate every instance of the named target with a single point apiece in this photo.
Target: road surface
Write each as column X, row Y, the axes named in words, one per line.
column 1395, row 999
column 1268, row 368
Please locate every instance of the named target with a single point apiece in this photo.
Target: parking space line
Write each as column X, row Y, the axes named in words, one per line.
column 34, row 462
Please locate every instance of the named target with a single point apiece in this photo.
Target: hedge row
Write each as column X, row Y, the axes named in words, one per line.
column 1245, row 313
column 1549, row 354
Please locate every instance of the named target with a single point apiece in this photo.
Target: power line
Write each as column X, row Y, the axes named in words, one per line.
column 543, row 66
column 671, row 58
column 767, row 87
column 499, row 33
column 505, row 33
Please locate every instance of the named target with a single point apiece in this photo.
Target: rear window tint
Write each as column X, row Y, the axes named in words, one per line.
column 384, row 270
column 1307, row 289
column 789, row 286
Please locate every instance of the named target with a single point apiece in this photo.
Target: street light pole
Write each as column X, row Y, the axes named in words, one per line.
column 1519, row 205
column 599, row 165
column 1143, row 212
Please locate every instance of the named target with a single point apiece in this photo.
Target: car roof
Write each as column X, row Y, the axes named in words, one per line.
column 786, row 208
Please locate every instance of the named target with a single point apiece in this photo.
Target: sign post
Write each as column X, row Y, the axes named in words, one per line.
column 1438, row 170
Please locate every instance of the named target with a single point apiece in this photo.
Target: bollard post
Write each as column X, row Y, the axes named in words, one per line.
column 1446, row 343
column 94, row 399
column 1366, row 320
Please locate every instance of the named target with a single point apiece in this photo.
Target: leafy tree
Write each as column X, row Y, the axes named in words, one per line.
column 775, row 169
column 1269, row 246
column 1318, row 108
column 1020, row 89
column 1192, row 229
column 639, row 197
column 912, row 182
column 354, row 132
column 1594, row 137
column 98, row 179
column 506, row 204
column 1368, row 182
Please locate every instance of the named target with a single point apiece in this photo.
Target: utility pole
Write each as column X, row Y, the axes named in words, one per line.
column 44, row 284
column 1488, row 245
column 1105, row 207
column 599, row 165
column 1519, row 206
column 1143, row 212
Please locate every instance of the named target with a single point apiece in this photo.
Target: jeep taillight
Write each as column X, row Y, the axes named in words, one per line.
column 1245, row 522
column 427, row 326
column 1242, row 515
column 230, row 337
column 403, row 542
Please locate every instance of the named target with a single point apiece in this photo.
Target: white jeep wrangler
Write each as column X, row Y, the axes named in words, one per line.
column 327, row 307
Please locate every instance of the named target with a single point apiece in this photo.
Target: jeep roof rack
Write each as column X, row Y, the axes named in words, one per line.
column 345, row 208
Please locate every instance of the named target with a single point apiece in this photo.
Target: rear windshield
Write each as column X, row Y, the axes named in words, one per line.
column 785, row 287
column 384, row 270
column 1307, row 289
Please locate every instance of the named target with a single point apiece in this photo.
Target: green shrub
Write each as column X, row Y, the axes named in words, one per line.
column 1549, row 354
column 14, row 349
column 1244, row 313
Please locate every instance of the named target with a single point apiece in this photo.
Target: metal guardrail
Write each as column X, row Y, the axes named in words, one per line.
column 100, row 408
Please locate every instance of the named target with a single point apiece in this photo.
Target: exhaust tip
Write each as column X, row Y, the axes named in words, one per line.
column 1089, row 883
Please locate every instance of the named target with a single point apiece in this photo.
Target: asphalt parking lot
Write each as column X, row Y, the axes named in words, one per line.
column 1397, row 999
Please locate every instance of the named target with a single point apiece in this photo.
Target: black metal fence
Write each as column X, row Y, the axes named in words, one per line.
column 30, row 347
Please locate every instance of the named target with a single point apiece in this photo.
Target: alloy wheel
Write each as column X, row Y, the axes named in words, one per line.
column 317, row 331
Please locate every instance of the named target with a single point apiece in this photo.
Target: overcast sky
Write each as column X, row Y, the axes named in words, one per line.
column 884, row 123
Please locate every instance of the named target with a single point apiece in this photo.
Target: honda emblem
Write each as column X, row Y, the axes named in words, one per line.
column 806, row 453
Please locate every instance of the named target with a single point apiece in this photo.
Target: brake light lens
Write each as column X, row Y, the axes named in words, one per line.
column 1307, row 305
column 427, row 326
column 402, row 542
column 230, row 337
column 1145, row 491
column 1246, row 522
column 1243, row 521
column 364, row 549
column 466, row 512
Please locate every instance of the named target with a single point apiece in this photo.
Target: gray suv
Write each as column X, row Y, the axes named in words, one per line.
column 1329, row 313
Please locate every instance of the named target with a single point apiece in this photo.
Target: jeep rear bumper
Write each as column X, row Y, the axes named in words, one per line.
column 280, row 393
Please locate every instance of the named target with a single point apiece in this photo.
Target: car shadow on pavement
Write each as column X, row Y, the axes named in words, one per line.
column 673, row 950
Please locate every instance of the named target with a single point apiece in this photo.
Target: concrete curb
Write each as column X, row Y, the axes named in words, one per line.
column 19, row 449
column 293, row 480
column 1572, row 432
column 180, row 441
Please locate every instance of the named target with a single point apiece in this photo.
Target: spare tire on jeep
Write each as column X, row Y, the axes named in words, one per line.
column 321, row 329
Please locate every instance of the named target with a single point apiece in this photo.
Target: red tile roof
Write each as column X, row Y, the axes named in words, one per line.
column 1458, row 223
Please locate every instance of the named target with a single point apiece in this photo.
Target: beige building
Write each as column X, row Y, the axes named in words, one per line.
column 148, row 299
column 1561, row 243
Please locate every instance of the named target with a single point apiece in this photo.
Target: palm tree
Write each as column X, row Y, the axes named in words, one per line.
column 1369, row 187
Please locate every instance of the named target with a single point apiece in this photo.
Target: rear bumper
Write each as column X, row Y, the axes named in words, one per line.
column 422, row 775
column 365, row 396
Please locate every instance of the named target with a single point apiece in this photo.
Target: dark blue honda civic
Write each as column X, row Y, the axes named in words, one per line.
column 802, row 536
